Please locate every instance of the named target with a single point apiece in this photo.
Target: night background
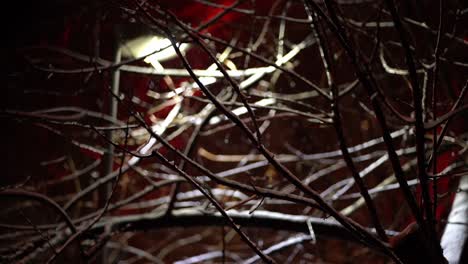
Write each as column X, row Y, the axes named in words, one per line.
column 248, row 131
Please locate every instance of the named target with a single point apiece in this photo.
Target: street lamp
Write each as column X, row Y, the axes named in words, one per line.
column 133, row 42
column 155, row 49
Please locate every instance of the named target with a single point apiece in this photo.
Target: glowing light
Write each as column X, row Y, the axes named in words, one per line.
column 161, row 48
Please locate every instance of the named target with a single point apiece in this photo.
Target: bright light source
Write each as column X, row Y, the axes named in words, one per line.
column 162, row 50
column 143, row 46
